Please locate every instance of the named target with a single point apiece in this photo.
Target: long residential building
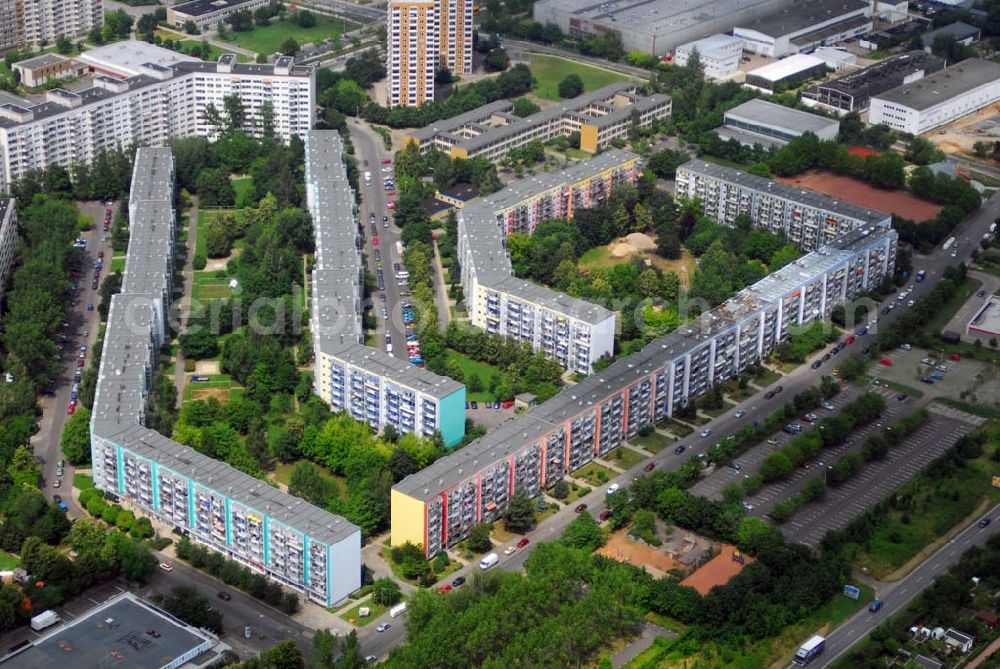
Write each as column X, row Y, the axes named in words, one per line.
column 493, row 130
column 366, row 383
column 574, row 332
column 37, row 22
column 150, row 108
column 8, row 241
column 809, row 220
column 938, row 98
column 246, row 519
column 437, row 506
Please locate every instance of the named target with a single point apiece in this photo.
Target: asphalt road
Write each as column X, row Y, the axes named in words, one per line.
column 897, row 595
column 369, row 147
column 967, row 233
column 46, row 441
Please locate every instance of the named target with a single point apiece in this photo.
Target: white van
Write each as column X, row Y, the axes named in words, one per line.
column 368, row 178
column 489, row 561
column 398, row 610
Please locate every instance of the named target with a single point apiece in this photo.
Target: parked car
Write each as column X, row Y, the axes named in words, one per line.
column 604, row 515
column 739, row 413
column 650, row 467
column 705, row 433
column 458, row 581
column 523, row 542
column 985, row 522
column 383, row 627
column 679, row 449
column 816, row 364
column 612, row 489
column 580, row 508
column 166, row 566
column 224, row 596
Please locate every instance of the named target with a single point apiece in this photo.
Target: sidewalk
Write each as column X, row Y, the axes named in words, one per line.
column 441, row 291
column 187, row 289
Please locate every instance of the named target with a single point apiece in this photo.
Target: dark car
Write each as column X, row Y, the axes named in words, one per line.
column 777, row 389
column 580, row 508
column 56, row 498
column 650, row 467
column 475, row 404
column 224, row 596
column 985, row 522
column 458, row 581
column 679, row 449
column 769, row 394
column 816, row 364
column 604, row 515
column 901, row 397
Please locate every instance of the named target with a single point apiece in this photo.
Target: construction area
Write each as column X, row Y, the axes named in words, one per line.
column 957, row 137
column 680, row 552
column 721, row 569
column 855, row 191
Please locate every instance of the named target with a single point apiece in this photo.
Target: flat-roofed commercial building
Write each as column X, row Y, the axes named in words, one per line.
column 437, row 506
column 938, row 98
column 809, row 220
column 804, row 26
column 370, row 385
column 38, row 70
column 770, row 124
column 148, row 109
column 8, row 241
column 853, row 92
column 246, row 519
column 208, row 14
column 768, row 78
column 653, row 26
column 572, row 331
column 719, row 54
column 492, row 131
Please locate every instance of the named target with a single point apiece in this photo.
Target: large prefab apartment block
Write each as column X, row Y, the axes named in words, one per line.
column 938, row 98
column 368, row 384
column 493, row 130
column 809, row 220
column 273, row 533
column 8, row 241
column 438, row 506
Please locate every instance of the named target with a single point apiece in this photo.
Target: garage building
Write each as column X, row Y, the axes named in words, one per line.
column 939, row 98
column 805, row 26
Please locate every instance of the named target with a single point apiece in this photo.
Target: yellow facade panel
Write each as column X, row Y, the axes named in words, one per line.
column 407, row 518
column 588, row 138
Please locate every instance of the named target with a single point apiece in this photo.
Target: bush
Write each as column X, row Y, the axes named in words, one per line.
column 199, row 262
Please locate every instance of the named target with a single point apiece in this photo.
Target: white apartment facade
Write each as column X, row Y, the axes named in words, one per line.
column 412, row 52
column 149, row 109
column 8, row 241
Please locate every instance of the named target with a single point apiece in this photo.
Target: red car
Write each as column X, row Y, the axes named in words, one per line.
column 650, row 467
column 580, row 507
column 391, row 205
column 506, row 404
column 374, row 241
column 79, row 363
column 849, row 340
column 71, row 408
column 387, row 161
column 604, row 515
column 444, row 588
column 886, row 362
column 955, row 356
column 523, row 542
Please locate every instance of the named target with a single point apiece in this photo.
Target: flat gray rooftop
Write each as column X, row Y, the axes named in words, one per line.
column 944, row 85
column 114, row 635
column 803, row 15
column 655, row 17
column 775, row 115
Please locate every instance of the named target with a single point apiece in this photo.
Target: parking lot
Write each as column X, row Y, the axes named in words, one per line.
column 908, row 369
column 879, row 477
column 750, row 462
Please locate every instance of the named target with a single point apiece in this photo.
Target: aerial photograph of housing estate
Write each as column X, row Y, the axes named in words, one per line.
column 459, row 334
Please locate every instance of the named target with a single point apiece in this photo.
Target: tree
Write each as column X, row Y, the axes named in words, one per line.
column 305, row 19
column 402, row 464
column 64, row 45
column 479, row 538
column 524, row 107
column 191, row 28
column 520, row 514
column 290, row 46
column 185, row 603
column 922, row 151
column 496, row 60
column 584, row 532
column 561, row 489
column 571, row 86
column 443, row 76
column 24, row 469
column 386, row 592
column 282, row 655
column 117, row 24
column 307, row 481
column 215, row 189
column 75, row 440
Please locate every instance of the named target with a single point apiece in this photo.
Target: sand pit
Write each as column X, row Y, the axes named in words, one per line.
column 203, row 394
column 631, row 244
column 206, row 367
column 861, row 194
column 717, row 571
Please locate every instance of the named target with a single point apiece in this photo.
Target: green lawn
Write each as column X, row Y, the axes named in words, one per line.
column 283, row 474
column 676, row 427
column 766, row 378
column 654, row 442
column 594, row 474
column 268, row 40
column 82, row 482
column 351, row 614
column 484, row 370
column 946, row 312
column 244, row 192
column 625, row 457
column 8, row 561
column 118, row 264
column 220, row 386
column 209, row 287
column 550, row 70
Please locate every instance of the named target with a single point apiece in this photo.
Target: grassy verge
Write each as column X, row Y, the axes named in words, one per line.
column 269, row 39
column 654, row 442
column 766, row 378
column 483, row 370
column 625, row 457
column 594, row 474
column 550, row 70
column 946, row 313
column 244, row 192
column 676, row 427
column 8, row 561
column 969, row 407
column 901, row 388
column 351, row 614
column 936, row 505
column 82, row 482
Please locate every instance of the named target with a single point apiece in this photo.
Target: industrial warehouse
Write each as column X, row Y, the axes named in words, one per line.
column 853, row 92
column 246, row 519
column 437, row 506
column 804, row 26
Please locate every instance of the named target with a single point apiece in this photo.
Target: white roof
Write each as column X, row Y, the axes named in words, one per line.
column 786, row 67
column 124, row 58
column 711, row 44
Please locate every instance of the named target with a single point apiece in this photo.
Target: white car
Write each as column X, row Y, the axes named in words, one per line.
column 509, row 550
column 747, row 505
column 905, row 347
column 705, row 433
column 910, row 303
column 954, row 254
column 740, row 413
column 383, row 627
column 613, row 488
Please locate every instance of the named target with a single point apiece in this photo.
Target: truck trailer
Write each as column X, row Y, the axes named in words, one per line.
column 810, row 650
column 45, row 619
